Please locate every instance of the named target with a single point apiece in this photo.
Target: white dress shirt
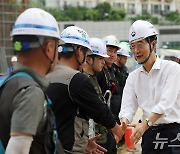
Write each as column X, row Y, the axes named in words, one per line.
column 157, row 91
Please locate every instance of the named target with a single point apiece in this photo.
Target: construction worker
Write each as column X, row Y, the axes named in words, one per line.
column 13, row 63
column 95, row 63
column 72, row 91
column 27, row 123
column 120, row 69
column 155, row 88
column 107, row 81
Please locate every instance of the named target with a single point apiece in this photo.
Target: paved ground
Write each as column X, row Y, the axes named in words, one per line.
column 124, row 149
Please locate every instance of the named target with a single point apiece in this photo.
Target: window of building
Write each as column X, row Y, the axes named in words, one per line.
column 155, row 9
column 144, row 9
column 88, row 4
column 77, row 3
column 131, row 8
column 118, row 5
column 167, row 8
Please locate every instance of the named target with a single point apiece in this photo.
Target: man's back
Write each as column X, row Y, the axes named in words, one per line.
column 84, row 96
column 65, row 110
column 24, row 95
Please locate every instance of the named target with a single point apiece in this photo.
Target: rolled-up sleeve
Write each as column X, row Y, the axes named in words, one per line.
column 129, row 100
column 170, row 93
column 28, row 109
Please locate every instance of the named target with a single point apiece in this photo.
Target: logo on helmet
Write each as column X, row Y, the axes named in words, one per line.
column 106, row 41
column 133, row 33
column 83, row 34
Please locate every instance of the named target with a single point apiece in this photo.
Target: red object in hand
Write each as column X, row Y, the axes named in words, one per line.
column 128, row 142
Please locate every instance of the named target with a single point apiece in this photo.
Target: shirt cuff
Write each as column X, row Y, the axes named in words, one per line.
column 127, row 116
column 161, row 110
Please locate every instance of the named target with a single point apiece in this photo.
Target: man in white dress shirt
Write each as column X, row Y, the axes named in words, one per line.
column 155, row 88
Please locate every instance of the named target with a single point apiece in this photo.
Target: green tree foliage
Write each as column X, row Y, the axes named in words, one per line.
column 152, row 19
column 75, row 13
column 174, row 17
column 117, row 14
column 92, row 14
column 59, row 15
column 104, row 9
column 100, row 12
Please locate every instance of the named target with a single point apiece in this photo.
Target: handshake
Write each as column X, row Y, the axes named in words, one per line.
column 93, row 148
column 118, row 131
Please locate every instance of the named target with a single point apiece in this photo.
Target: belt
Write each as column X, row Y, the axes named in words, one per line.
column 83, row 116
column 165, row 126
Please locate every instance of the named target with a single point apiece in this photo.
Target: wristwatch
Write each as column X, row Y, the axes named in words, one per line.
column 149, row 123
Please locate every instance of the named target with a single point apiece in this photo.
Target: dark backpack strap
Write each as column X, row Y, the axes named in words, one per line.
column 15, row 75
column 2, row 151
column 7, row 93
column 58, row 149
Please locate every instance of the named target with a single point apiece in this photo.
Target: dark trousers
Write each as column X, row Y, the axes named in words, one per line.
column 164, row 139
column 110, row 145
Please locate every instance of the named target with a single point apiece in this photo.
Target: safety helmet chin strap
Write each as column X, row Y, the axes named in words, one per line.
column 149, row 42
column 51, row 61
column 84, row 54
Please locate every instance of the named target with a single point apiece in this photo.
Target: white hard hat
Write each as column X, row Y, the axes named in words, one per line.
column 75, row 35
column 35, row 21
column 98, row 47
column 124, row 49
column 141, row 29
column 111, row 40
column 14, row 58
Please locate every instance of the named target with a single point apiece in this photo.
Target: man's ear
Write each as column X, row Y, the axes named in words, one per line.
column 78, row 52
column 153, row 45
column 48, row 49
column 88, row 59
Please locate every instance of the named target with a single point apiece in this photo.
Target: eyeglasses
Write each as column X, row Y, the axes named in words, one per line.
column 138, row 45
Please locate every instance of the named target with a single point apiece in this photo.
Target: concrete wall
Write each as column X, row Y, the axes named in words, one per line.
column 120, row 30
column 101, row 29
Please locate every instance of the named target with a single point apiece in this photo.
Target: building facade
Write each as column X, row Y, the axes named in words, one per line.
column 133, row 7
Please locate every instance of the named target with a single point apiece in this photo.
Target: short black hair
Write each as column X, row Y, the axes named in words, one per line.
column 25, row 38
column 66, row 55
column 151, row 38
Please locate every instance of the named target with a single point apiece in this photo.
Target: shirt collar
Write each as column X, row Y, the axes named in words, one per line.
column 156, row 65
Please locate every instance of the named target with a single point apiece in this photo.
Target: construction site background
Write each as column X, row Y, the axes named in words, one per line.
column 9, row 10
